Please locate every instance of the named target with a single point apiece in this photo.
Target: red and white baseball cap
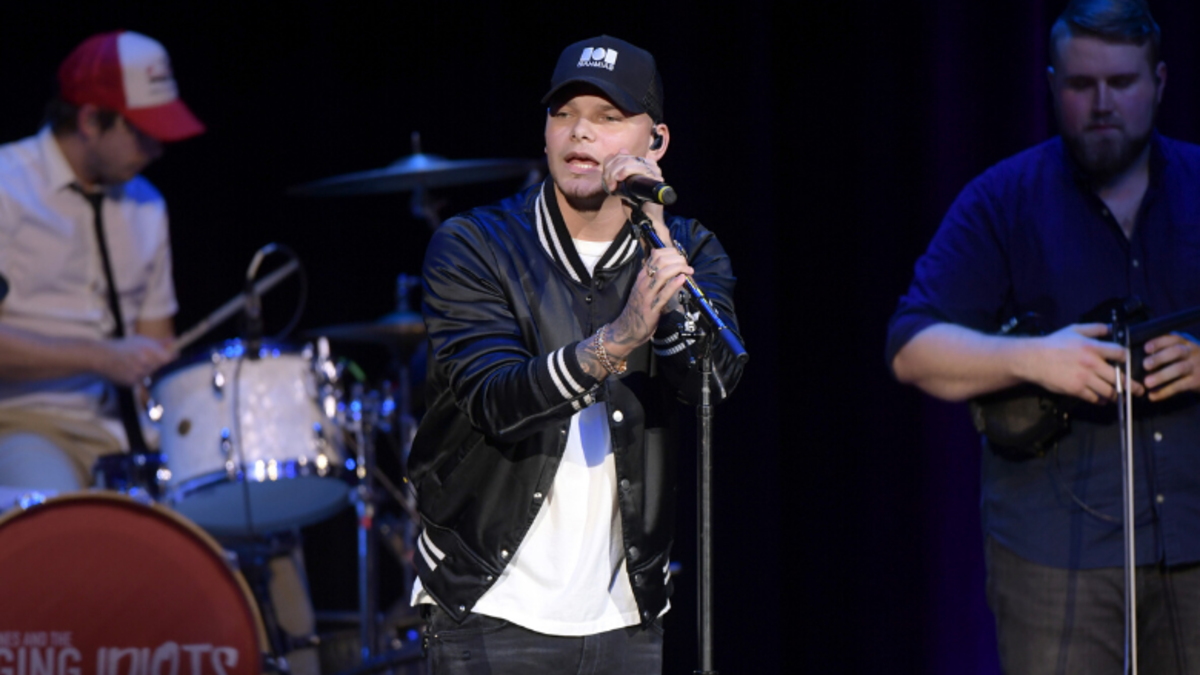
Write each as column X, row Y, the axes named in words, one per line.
column 131, row 74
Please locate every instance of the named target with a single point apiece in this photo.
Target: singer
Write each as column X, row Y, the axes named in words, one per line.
column 545, row 465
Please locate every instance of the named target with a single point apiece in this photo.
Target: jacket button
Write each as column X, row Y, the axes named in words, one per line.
column 588, row 298
column 646, row 614
column 504, row 554
column 462, row 608
column 537, row 495
column 490, row 578
column 633, row 553
column 624, row 483
column 637, row 578
column 618, row 416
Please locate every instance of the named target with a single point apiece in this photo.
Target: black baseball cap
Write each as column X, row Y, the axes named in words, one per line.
column 626, row 74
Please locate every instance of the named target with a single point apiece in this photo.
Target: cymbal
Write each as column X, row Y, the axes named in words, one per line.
column 418, row 171
column 403, row 329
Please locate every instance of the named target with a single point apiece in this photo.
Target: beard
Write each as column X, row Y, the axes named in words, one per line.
column 585, row 203
column 579, row 197
column 1103, row 157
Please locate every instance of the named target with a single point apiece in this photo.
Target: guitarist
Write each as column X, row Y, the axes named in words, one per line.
column 1108, row 209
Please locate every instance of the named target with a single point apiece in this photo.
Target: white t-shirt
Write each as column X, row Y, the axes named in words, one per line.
column 568, row 576
column 49, row 254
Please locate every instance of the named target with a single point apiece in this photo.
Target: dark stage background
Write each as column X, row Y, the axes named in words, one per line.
column 821, row 141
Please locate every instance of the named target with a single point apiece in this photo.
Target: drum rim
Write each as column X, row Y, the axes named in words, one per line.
column 205, row 356
column 178, row 520
column 177, row 492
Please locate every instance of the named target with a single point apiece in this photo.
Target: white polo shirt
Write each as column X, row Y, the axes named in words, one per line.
column 49, row 254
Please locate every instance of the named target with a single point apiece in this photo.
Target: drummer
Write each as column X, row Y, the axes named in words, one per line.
column 70, row 351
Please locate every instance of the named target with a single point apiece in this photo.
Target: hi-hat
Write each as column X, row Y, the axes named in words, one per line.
column 404, row 329
column 419, row 171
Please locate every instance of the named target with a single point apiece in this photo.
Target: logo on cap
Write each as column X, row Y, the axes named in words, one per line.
column 597, row 57
column 159, row 72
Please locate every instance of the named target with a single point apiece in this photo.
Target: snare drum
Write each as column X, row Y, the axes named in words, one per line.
column 233, row 424
column 100, row 583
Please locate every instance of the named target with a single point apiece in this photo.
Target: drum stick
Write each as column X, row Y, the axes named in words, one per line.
column 234, row 306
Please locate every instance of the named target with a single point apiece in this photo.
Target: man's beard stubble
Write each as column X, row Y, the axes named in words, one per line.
column 1104, row 159
column 584, row 203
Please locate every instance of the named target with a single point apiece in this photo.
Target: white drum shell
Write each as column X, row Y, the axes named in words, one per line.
column 280, row 448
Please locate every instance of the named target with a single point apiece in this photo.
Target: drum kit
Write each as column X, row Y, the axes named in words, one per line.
column 257, row 438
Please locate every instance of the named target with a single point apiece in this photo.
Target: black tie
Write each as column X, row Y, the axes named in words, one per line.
column 129, row 416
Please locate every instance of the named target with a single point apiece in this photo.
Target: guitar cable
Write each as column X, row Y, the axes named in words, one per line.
column 1062, row 480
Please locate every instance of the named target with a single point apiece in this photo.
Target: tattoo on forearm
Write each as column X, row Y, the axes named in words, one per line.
column 589, row 359
column 629, row 325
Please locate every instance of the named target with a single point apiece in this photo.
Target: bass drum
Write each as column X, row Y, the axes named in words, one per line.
column 235, row 425
column 101, row 583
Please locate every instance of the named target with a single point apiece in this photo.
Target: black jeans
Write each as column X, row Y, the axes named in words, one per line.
column 482, row 644
column 1057, row 621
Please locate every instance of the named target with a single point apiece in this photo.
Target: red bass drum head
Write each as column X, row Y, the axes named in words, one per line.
column 100, row 584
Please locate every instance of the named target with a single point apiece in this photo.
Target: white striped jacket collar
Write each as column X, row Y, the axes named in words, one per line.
column 552, row 232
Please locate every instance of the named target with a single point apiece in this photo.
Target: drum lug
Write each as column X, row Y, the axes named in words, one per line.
column 154, row 410
column 31, row 499
column 218, row 383
column 227, row 451
column 322, row 363
column 322, row 447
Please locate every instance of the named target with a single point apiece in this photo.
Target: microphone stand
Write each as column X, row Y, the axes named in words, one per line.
column 1131, row 336
column 695, row 300
column 1122, row 335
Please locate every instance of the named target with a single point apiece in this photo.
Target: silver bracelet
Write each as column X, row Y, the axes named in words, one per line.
column 612, row 368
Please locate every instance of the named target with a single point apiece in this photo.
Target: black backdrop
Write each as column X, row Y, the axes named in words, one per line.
column 821, row 141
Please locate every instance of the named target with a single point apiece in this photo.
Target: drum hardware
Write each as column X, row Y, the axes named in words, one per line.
column 409, row 654
column 140, row 475
column 402, row 331
column 418, row 173
column 339, row 649
column 235, row 305
column 388, row 411
column 358, row 418
column 22, row 497
column 362, row 416
column 252, row 557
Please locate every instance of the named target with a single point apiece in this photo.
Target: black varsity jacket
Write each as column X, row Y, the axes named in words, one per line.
column 506, row 301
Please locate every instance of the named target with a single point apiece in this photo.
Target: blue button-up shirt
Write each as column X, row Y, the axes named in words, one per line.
column 1029, row 235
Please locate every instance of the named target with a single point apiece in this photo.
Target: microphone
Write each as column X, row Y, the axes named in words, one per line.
column 253, row 320
column 253, row 308
column 641, row 189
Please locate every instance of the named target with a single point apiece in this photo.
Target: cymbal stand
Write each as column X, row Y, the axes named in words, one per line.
column 405, row 429
column 420, row 205
column 359, row 421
